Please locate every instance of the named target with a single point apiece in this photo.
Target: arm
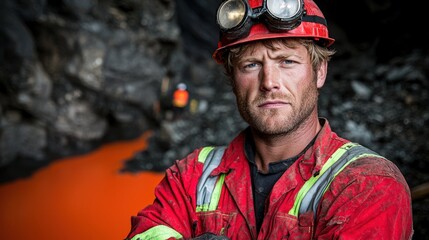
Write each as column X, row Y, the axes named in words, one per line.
column 173, row 210
column 369, row 200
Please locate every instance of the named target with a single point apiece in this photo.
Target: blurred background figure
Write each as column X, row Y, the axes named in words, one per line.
column 177, row 103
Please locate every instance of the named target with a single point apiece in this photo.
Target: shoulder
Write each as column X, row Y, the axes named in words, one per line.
column 185, row 173
column 376, row 167
column 368, row 180
column 368, row 175
column 193, row 163
column 189, row 162
column 369, row 197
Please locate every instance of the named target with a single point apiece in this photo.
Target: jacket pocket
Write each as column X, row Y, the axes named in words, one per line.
column 286, row 226
column 216, row 222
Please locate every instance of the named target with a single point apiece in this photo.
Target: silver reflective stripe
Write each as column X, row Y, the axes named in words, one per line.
column 311, row 200
column 206, row 183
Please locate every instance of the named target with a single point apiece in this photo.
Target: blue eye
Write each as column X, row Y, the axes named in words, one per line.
column 251, row 65
column 287, row 61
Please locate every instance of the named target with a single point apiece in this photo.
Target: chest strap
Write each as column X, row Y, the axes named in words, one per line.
column 310, row 194
column 209, row 187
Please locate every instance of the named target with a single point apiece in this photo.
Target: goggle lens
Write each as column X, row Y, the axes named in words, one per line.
column 231, row 14
column 284, row 9
column 235, row 17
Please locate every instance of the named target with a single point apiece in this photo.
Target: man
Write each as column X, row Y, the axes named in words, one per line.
column 288, row 175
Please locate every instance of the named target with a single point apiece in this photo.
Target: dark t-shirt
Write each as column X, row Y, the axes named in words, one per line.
column 262, row 183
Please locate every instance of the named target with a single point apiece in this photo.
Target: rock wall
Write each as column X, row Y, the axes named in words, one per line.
column 76, row 74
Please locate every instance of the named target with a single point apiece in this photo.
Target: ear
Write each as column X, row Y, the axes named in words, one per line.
column 321, row 74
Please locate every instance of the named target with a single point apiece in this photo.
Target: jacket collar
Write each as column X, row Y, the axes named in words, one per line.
column 310, row 163
column 316, row 156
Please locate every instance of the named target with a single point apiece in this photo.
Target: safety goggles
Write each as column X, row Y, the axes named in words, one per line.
column 236, row 17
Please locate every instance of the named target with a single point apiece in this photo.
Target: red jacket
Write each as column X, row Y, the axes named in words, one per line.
column 369, row 199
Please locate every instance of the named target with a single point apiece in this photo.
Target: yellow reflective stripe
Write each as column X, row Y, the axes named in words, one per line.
column 337, row 155
column 160, row 232
column 202, row 208
column 310, row 182
column 216, row 193
column 204, row 153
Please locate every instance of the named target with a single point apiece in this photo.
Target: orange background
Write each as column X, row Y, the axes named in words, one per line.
column 82, row 197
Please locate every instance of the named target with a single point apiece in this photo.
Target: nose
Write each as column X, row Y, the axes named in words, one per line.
column 269, row 78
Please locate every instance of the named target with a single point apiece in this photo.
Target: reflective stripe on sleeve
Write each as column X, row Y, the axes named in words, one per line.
column 160, row 232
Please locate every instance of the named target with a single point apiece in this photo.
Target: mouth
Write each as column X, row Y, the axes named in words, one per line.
column 273, row 104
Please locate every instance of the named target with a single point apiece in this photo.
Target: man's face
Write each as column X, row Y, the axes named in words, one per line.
column 277, row 89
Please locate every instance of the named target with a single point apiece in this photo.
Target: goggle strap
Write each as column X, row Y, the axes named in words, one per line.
column 314, row 19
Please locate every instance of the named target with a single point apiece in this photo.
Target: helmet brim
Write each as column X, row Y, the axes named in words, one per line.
column 311, row 30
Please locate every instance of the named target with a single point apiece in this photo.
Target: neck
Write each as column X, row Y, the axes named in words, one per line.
column 274, row 148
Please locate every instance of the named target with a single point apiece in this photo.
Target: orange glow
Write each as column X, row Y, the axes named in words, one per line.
column 82, row 197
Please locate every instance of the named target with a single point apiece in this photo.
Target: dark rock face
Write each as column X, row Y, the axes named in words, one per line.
column 77, row 74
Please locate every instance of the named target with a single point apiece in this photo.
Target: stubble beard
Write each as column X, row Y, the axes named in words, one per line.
column 274, row 122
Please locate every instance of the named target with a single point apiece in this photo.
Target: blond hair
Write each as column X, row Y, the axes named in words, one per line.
column 318, row 54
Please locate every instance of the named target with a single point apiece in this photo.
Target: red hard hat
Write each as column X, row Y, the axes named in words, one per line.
column 259, row 31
